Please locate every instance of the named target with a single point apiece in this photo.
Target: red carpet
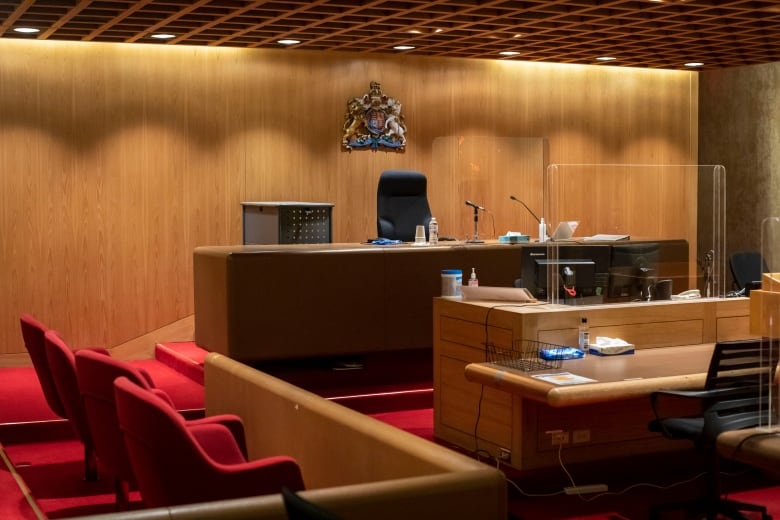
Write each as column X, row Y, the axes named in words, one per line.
column 26, row 402
column 54, row 472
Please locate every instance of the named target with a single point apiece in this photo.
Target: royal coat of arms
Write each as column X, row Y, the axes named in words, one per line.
column 374, row 120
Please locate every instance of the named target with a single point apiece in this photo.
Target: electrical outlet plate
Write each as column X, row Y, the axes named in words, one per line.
column 580, row 436
column 559, row 438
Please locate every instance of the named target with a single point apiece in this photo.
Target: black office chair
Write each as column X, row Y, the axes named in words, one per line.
column 401, row 204
column 746, row 268
column 735, row 396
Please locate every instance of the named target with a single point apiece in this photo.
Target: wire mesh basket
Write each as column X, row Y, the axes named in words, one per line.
column 527, row 355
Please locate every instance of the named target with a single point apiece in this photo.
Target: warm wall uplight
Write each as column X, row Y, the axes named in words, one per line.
column 694, row 64
column 288, row 41
column 403, row 47
column 163, row 36
column 27, row 30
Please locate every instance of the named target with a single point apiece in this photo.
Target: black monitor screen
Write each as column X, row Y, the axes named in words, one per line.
column 633, row 268
column 580, row 271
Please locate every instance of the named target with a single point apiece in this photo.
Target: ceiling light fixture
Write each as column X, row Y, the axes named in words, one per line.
column 509, row 53
column 163, row 36
column 403, row 47
column 694, row 64
column 288, row 41
column 605, row 58
column 27, row 30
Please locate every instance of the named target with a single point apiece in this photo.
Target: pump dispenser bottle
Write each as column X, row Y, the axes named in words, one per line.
column 542, row 230
column 473, row 282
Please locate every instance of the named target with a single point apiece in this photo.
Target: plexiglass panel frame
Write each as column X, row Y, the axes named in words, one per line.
column 764, row 305
column 671, row 219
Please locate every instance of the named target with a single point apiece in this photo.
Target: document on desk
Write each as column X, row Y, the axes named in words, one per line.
column 604, row 237
column 564, row 378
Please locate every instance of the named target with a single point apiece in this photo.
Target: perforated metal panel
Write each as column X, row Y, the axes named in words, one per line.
column 287, row 222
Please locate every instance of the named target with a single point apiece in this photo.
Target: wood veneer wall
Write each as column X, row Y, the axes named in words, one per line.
column 117, row 160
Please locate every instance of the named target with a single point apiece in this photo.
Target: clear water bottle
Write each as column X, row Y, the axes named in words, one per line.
column 584, row 339
column 433, row 232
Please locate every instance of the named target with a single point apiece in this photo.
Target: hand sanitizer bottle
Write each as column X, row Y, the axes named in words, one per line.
column 473, row 282
column 542, row 230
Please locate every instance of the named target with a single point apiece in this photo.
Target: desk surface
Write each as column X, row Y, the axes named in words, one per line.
column 616, row 377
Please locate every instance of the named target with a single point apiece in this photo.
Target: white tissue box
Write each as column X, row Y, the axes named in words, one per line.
column 611, row 350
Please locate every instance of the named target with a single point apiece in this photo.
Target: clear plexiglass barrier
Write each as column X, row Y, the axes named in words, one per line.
column 622, row 233
column 765, row 308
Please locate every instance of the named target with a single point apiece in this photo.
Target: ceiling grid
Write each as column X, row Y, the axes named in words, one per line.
column 637, row 33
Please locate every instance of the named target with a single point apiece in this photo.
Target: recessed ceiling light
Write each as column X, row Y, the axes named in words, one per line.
column 403, row 47
column 27, row 30
column 163, row 36
column 694, row 64
column 414, row 31
column 509, row 53
column 438, row 30
column 288, row 41
column 605, row 58
column 518, row 35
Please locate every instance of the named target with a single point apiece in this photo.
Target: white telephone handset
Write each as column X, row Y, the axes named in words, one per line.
column 691, row 294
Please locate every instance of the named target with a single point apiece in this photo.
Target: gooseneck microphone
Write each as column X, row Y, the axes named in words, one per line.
column 526, row 207
column 475, row 206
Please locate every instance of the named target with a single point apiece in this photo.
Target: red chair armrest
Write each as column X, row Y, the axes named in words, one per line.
column 229, row 421
column 218, row 443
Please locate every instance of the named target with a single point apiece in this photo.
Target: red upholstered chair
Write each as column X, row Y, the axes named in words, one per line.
column 96, row 374
column 62, row 364
column 32, row 333
column 180, row 463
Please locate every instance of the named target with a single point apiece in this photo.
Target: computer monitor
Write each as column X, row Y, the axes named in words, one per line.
column 580, row 273
column 633, row 269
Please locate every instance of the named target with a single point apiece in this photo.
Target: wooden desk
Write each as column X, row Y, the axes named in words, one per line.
column 616, row 377
column 280, row 302
column 479, row 407
column 757, row 447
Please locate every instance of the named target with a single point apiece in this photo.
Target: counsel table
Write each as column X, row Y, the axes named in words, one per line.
column 480, row 406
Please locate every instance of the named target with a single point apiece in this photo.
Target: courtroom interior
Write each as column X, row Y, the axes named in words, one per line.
column 373, row 259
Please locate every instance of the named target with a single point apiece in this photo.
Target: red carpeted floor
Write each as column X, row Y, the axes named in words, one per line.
column 52, row 467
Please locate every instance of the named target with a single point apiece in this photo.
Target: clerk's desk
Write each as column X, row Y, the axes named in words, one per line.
column 605, row 419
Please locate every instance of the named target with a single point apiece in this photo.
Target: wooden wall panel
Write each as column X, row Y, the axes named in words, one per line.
column 116, row 161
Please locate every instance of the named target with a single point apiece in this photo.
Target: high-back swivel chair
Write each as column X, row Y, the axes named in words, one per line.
column 735, row 396
column 401, row 204
column 746, row 267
